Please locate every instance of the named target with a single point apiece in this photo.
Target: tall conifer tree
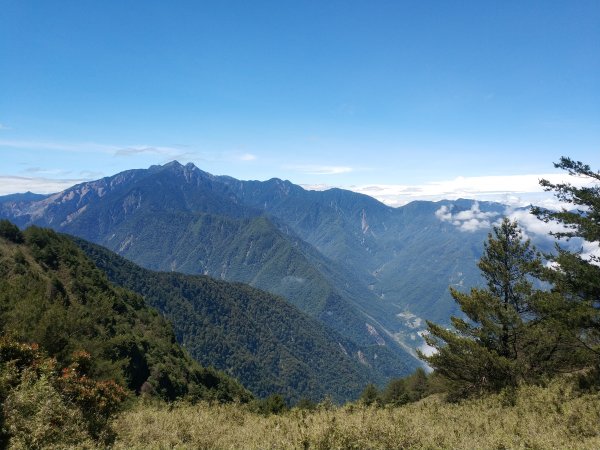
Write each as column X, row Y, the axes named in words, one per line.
column 576, row 275
column 488, row 350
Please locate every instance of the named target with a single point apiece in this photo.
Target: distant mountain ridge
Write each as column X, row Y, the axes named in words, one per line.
column 22, row 197
column 393, row 252
column 370, row 272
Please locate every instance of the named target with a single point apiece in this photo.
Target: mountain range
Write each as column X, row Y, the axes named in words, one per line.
column 369, row 273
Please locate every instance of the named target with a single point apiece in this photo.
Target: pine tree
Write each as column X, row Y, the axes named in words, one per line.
column 489, row 349
column 585, row 221
column 416, row 385
column 395, row 393
column 515, row 332
column 400, row 391
column 370, row 395
column 575, row 276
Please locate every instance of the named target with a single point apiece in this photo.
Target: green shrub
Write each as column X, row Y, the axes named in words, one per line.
column 37, row 416
column 10, row 232
column 273, row 404
column 41, row 408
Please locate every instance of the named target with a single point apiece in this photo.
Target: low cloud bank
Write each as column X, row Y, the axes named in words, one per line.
column 469, row 220
column 515, row 190
column 474, row 219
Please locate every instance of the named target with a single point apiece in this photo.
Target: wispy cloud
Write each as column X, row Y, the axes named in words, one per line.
column 532, row 228
column 4, row 127
column 247, row 157
column 91, row 174
column 82, row 147
column 182, row 152
column 319, row 170
column 134, row 150
column 531, row 225
column 39, row 185
column 515, row 191
column 131, row 151
column 474, row 219
column 45, row 172
column 94, row 147
column 536, row 229
column 316, row 187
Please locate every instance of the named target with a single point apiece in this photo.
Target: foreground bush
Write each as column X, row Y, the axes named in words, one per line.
column 530, row 417
column 42, row 408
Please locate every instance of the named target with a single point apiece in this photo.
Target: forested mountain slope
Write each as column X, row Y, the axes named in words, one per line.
column 53, row 295
column 407, row 256
column 260, row 339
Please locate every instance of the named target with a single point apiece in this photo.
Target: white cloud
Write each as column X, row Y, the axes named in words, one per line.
column 131, row 151
column 516, row 190
column 39, row 171
column 247, row 157
column 316, row 187
column 4, row 127
column 531, row 224
column 169, row 153
column 444, row 213
column 474, row 219
column 468, row 220
column 591, row 252
column 39, row 185
column 83, row 147
column 425, row 348
column 91, row 174
column 320, row 170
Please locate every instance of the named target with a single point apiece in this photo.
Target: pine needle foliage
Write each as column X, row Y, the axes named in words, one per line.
column 490, row 348
column 576, row 275
column 515, row 331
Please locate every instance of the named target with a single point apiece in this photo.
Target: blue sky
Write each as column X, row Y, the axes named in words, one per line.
column 377, row 96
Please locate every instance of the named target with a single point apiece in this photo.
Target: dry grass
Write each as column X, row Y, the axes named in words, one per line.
column 536, row 418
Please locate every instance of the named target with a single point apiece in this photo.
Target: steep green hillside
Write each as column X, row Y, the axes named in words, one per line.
column 266, row 343
column 252, row 251
column 53, row 295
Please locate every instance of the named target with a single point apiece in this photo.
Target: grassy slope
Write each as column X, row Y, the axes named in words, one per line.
column 539, row 418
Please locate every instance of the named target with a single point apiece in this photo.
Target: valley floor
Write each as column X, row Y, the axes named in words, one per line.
column 533, row 418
